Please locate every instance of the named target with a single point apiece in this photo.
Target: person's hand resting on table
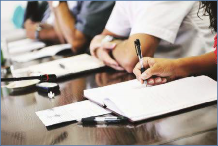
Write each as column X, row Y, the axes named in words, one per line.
column 102, row 50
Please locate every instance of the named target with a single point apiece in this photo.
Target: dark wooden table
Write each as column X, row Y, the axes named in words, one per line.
column 21, row 126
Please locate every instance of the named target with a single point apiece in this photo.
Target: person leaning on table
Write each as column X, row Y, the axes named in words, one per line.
column 168, row 29
column 167, row 70
column 73, row 22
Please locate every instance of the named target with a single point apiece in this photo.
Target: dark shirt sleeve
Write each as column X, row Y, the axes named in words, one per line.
column 92, row 16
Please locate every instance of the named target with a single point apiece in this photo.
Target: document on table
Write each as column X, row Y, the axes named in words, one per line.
column 98, row 94
column 24, row 45
column 45, row 52
column 70, row 112
column 138, row 102
column 62, row 67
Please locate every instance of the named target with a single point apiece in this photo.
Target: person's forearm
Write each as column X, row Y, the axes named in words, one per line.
column 59, row 32
column 47, row 32
column 198, row 65
column 125, row 53
column 49, row 35
column 67, row 22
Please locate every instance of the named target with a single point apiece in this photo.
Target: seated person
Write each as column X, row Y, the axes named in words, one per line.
column 169, row 29
column 167, row 70
column 35, row 10
column 71, row 22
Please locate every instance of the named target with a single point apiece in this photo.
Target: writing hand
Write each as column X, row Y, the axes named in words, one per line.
column 158, row 71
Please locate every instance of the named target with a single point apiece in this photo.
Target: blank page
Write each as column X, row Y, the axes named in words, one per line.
column 139, row 104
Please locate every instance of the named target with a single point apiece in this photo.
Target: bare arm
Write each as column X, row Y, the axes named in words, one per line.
column 198, row 65
column 160, row 70
column 67, row 25
column 59, row 32
column 125, row 53
column 46, row 34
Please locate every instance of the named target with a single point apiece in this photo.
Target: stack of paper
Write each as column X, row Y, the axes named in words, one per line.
column 138, row 102
column 62, row 67
column 70, row 112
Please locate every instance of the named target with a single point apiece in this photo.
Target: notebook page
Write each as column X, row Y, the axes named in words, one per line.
column 45, row 52
column 157, row 100
column 24, row 45
column 70, row 112
column 73, row 64
column 20, row 43
column 98, row 94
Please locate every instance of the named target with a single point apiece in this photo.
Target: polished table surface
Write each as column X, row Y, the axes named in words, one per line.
column 21, row 126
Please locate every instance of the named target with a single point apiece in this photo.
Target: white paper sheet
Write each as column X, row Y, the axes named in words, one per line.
column 72, row 65
column 24, row 45
column 70, row 112
column 146, row 102
column 45, row 52
column 98, row 94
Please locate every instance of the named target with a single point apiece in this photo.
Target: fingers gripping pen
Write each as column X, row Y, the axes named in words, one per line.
column 139, row 54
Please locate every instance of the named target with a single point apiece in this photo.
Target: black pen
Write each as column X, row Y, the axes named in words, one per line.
column 102, row 120
column 139, row 54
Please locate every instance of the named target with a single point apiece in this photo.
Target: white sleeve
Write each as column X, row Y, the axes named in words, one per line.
column 118, row 22
column 50, row 19
column 162, row 19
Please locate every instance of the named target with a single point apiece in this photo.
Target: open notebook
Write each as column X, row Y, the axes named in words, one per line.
column 24, row 45
column 44, row 52
column 138, row 102
column 62, row 67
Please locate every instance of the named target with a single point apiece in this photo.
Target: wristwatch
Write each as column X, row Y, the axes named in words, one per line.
column 38, row 29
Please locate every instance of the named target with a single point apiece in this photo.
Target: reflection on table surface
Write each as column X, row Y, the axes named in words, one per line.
column 20, row 125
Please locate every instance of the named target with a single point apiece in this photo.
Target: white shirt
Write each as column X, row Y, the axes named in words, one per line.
column 176, row 23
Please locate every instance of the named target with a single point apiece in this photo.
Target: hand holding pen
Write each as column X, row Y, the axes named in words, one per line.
column 139, row 54
column 149, row 70
column 158, row 70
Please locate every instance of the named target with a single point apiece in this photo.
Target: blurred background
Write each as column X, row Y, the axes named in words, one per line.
column 9, row 20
